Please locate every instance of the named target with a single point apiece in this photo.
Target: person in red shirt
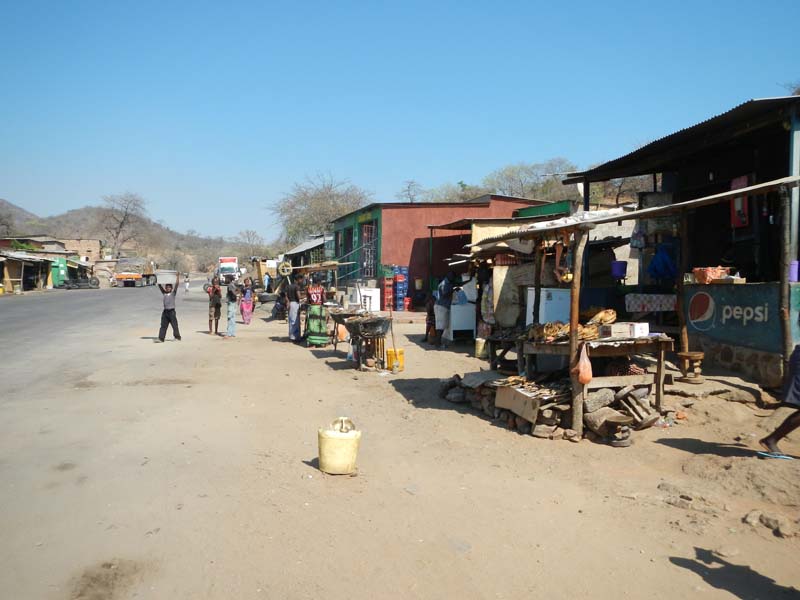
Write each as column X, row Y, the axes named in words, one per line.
column 316, row 293
column 316, row 325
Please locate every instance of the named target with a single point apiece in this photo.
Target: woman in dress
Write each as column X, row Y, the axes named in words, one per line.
column 246, row 304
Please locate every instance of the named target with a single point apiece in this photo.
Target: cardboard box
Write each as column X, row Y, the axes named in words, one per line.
column 625, row 329
column 518, row 401
column 615, row 330
column 730, row 280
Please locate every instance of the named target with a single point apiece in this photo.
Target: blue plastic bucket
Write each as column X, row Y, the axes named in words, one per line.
column 619, row 268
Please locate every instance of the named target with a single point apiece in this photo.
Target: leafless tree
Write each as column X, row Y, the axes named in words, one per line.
column 456, row 192
column 251, row 244
column 410, row 192
column 793, row 88
column 540, row 181
column 313, row 204
column 122, row 219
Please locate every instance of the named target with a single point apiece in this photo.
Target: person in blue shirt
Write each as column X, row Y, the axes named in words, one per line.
column 441, row 309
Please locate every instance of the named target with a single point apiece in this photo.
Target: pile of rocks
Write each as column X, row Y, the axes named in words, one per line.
column 544, row 408
column 539, row 409
column 611, row 414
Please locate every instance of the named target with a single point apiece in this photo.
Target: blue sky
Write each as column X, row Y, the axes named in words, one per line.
column 211, row 112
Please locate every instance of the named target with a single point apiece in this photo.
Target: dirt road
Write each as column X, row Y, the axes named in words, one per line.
column 131, row 469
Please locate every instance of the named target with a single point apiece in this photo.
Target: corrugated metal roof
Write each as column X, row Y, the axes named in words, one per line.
column 464, row 224
column 644, row 160
column 617, row 214
column 479, row 201
column 24, row 256
column 308, row 245
column 545, row 226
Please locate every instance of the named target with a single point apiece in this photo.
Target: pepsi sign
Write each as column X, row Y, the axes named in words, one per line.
column 739, row 315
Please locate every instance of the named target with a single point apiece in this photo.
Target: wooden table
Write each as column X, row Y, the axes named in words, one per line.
column 658, row 346
column 499, row 347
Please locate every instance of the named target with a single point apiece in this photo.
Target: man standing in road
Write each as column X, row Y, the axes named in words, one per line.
column 293, row 298
column 442, row 307
column 168, row 316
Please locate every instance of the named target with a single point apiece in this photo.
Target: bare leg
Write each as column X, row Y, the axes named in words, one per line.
column 791, row 423
column 209, row 326
column 216, row 325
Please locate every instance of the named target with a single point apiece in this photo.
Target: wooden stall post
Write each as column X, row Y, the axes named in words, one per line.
column 786, row 257
column 581, row 234
column 684, row 262
column 539, row 257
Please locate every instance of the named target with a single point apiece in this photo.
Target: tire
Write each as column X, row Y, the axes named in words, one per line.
column 151, row 280
column 138, row 283
column 94, row 283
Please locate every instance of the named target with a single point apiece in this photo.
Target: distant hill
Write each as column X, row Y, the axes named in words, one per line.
column 18, row 216
column 155, row 240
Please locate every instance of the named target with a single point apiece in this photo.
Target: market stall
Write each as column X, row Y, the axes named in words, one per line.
column 573, row 233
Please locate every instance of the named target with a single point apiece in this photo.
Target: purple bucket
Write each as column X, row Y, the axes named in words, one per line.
column 620, row 267
column 793, row 271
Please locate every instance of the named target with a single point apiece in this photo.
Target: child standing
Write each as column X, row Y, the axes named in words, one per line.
column 168, row 316
column 233, row 303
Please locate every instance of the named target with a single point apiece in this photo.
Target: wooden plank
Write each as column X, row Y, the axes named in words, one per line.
column 574, row 311
column 645, row 346
column 786, row 257
column 537, row 280
column 684, row 334
column 660, row 379
column 620, row 381
column 539, row 348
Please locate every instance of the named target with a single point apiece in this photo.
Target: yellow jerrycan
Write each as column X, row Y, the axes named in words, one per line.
column 338, row 447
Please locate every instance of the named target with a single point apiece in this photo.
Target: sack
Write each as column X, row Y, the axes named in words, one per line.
column 583, row 368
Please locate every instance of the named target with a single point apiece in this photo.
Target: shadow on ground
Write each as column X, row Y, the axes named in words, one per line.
column 424, row 394
column 334, row 359
column 695, row 446
column 739, row 580
column 463, row 347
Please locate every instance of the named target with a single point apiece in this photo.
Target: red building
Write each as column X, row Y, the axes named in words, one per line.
column 396, row 233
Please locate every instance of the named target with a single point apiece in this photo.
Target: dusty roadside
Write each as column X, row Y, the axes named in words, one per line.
column 186, row 470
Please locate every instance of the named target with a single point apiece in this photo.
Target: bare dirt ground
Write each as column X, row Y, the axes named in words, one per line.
column 187, row 470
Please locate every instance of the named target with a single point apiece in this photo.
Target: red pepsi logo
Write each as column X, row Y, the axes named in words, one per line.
column 701, row 311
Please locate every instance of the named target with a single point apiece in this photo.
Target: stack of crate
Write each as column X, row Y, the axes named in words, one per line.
column 400, row 286
column 386, row 285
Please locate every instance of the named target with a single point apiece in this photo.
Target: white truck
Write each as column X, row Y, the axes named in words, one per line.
column 227, row 269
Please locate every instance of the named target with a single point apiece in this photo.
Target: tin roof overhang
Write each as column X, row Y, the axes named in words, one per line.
column 661, row 155
column 538, row 230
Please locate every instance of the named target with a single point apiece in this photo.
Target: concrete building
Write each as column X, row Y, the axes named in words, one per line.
column 87, row 249
column 396, row 233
